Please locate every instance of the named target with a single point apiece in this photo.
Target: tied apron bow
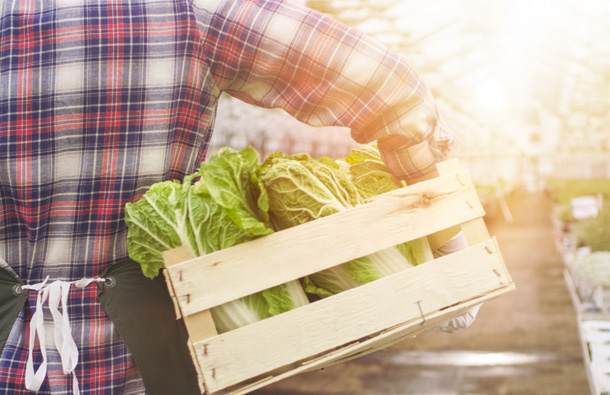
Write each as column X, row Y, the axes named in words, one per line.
column 141, row 310
column 56, row 292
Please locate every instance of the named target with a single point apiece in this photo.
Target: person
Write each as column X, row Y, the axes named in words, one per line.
column 98, row 101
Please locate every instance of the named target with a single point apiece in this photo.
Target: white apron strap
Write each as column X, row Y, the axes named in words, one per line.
column 56, row 292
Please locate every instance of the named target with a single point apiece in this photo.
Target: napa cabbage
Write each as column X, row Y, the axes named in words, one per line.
column 220, row 206
column 233, row 199
column 302, row 189
column 368, row 173
column 157, row 222
column 371, row 177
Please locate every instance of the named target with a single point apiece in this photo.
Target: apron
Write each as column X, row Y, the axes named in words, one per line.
column 144, row 315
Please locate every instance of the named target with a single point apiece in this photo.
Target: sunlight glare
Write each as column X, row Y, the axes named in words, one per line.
column 490, row 95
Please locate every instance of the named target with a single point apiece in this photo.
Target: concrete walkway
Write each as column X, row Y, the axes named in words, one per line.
column 523, row 343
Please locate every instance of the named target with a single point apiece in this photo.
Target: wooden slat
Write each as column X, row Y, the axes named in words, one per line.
column 406, row 331
column 353, row 351
column 170, row 258
column 176, row 255
column 254, row 350
column 439, row 238
column 448, row 167
column 398, row 216
column 400, row 332
column 199, row 326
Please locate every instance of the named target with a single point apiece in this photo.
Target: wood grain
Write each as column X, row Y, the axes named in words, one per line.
column 406, row 298
column 390, row 219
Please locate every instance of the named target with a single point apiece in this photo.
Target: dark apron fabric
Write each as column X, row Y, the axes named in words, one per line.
column 143, row 313
column 12, row 301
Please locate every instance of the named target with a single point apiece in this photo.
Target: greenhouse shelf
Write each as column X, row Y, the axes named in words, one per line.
column 594, row 334
column 592, row 306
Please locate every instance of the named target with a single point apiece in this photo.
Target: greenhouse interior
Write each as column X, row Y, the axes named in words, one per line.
column 265, row 197
column 525, row 85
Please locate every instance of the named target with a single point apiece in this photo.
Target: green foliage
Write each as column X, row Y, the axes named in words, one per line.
column 594, row 267
column 234, row 199
column 369, row 174
column 225, row 207
column 158, row 222
column 563, row 191
column 302, row 189
column 230, row 179
column 594, row 232
column 564, row 213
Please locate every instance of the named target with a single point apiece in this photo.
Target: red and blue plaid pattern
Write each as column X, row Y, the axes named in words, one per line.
column 101, row 99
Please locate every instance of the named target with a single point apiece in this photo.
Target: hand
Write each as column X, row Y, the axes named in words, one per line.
column 460, row 322
column 454, row 244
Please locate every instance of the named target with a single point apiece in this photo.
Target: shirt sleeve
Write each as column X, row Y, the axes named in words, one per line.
column 277, row 54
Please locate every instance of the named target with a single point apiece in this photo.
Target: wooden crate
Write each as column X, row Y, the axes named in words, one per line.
column 352, row 323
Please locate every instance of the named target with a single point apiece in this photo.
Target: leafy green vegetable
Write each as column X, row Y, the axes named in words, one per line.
column 224, row 208
column 256, row 307
column 233, row 199
column 356, row 272
column 371, row 177
column 230, row 178
column 369, row 174
column 414, row 251
column 302, row 189
column 158, row 222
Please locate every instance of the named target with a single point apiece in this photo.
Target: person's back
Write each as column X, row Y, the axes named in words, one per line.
column 99, row 100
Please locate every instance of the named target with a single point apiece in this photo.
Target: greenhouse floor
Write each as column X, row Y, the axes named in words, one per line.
column 522, row 343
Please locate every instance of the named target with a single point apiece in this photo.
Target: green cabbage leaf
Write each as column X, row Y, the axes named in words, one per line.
column 158, row 222
column 368, row 172
column 233, row 199
column 223, row 208
column 302, row 189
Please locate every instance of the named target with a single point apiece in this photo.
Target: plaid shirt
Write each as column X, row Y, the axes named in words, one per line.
column 101, row 99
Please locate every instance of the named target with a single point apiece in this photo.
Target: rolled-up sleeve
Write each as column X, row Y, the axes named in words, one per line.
column 277, row 54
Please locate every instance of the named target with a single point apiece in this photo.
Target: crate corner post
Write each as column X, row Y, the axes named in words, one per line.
column 199, row 326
